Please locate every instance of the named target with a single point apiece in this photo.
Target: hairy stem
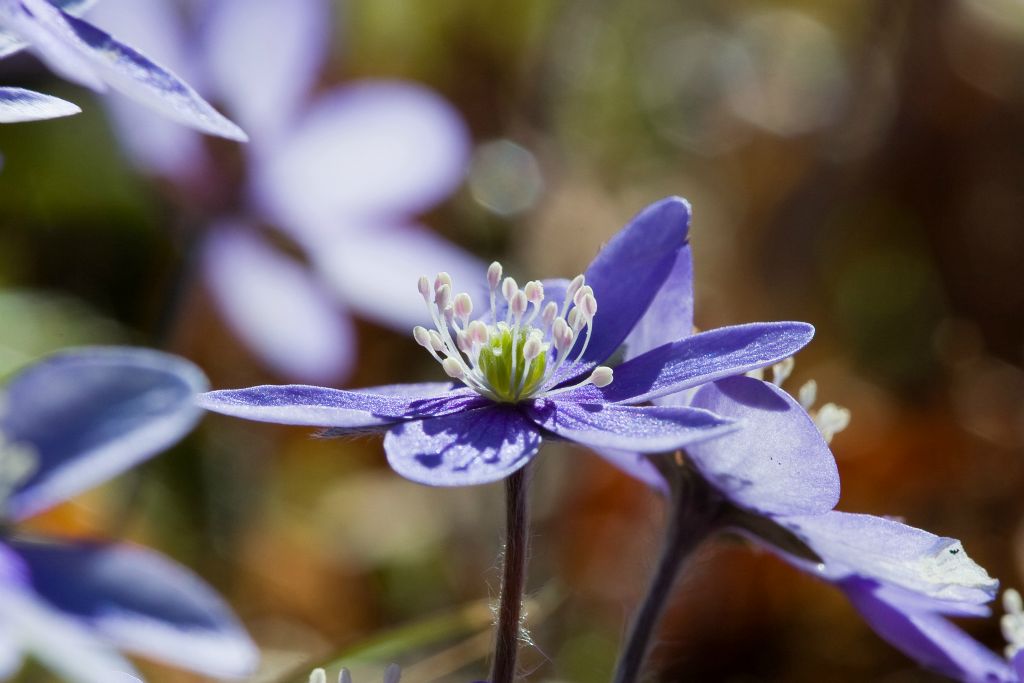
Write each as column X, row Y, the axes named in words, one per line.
column 510, row 607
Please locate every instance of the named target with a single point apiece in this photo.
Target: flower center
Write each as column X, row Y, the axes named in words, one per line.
column 513, row 352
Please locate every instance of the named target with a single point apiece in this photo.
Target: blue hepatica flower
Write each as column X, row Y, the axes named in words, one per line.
column 780, row 477
column 341, row 172
column 82, row 53
column 70, row 422
column 531, row 366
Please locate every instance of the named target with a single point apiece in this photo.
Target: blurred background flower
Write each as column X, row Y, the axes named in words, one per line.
column 852, row 164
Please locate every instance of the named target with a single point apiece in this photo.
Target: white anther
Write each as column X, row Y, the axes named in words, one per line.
column 443, row 297
column 808, row 394
column 436, row 342
column 463, row 306
column 1012, row 623
column 423, row 284
column 574, row 287
column 831, row 419
column 518, row 304
column 532, row 348
column 422, row 336
column 534, row 291
column 588, row 307
column 453, row 367
column 601, row 376
column 562, row 335
column 582, row 292
column 463, row 341
column 442, row 278
column 318, row 676
column 782, row 370
column 574, row 320
column 493, row 275
column 477, row 332
column 549, row 313
column 509, row 288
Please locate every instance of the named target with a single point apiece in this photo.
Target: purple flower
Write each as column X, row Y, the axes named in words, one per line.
column 778, row 482
column 341, row 172
column 82, row 53
column 70, row 422
column 531, row 366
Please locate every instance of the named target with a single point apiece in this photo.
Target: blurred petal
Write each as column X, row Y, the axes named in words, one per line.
column 18, row 105
column 627, row 274
column 462, row 449
column 322, row 407
column 373, row 150
column 926, row 636
column 142, row 602
column 698, row 359
column 10, row 43
column 278, row 309
column 375, row 272
column 10, row 653
column 89, row 414
column 154, row 143
column 889, row 551
column 263, row 56
column 651, row 429
column 778, row 463
column 42, row 27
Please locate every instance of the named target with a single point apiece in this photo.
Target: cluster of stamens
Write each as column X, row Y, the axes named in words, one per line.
column 513, row 356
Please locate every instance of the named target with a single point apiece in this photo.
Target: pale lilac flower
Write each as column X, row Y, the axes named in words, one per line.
column 341, row 173
column 80, row 52
column 531, row 365
column 70, row 422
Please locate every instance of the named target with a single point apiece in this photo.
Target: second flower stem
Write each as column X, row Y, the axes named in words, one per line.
column 513, row 582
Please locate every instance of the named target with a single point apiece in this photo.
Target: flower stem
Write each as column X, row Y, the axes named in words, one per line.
column 692, row 518
column 506, row 645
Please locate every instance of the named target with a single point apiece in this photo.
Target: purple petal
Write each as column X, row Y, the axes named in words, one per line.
column 375, row 272
column 778, row 463
column 379, row 150
column 632, row 428
column 698, row 359
column 141, row 602
column 895, row 553
column 263, row 56
column 42, row 27
column 627, row 274
column 925, row 636
column 462, row 449
column 10, row 43
column 1018, row 665
column 670, row 315
column 276, row 307
column 17, row 105
column 155, row 144
column 322, row 407
column 637, row 465
column 89, row 414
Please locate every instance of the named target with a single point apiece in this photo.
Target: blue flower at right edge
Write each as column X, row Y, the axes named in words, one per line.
column 779, row 478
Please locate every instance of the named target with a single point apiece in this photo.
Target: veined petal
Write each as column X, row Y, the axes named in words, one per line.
column 373, row 150
column 627, row 274
column 462, row 449
column 310, row 406
column 17, row 105
column 375, row 272
column 140, row 601
column 86, row 415
column 263, row 56
column 652, row 429
column 698, row 359
column 778, row 463
column 277, row 307
column 924, row 634
column 894, row 553
column 41, row 26
column 10, row 43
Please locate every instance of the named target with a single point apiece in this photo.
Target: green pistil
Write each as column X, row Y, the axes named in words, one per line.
column 495, row 363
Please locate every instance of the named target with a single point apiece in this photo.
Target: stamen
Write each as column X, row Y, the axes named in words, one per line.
column 534, row 291
column 509, row 288
column 453, row 367
column 425, row 290
column 1012, row 623
column 318, row 676
column 463, row 306
column 493, row 275
column 548, row 315
column 602, row 376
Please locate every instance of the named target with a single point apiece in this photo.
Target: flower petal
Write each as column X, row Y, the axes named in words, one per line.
column 17, row 105
column 627, row 274
column 89, row 414
column 41, row 26
column 698, row 359
column 375, row 272
column 670, row 315
column 10, row 43
column 462, row 449
column 374, row 150
column 297, row 404
column 924, row 635
column 895, row 553
column 142, row 602
column 778, row 463
column 263, row 56
column 648, row 429
column 276, row 307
